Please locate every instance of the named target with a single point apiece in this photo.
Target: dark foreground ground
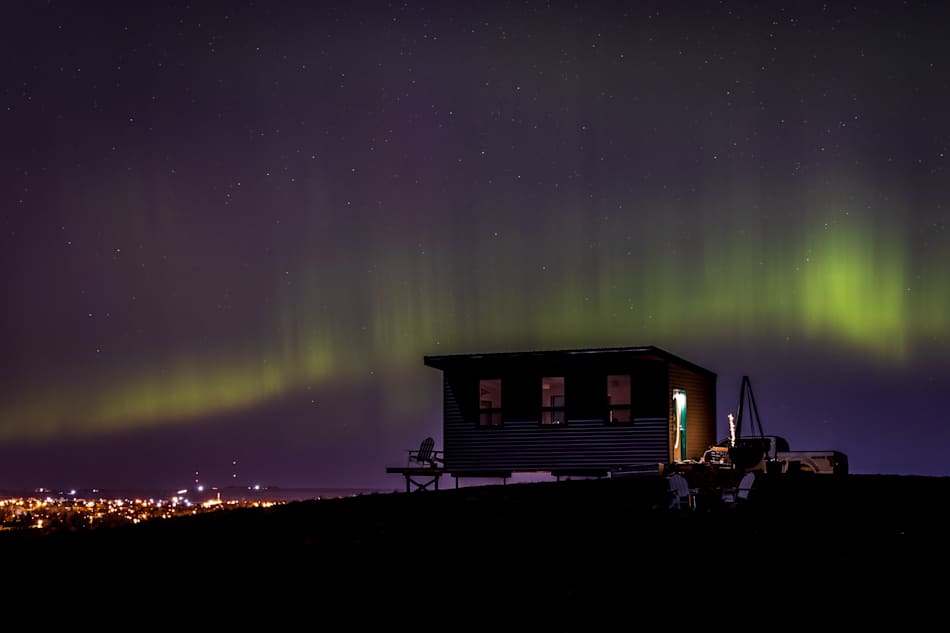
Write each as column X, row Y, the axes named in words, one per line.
column 864, row 546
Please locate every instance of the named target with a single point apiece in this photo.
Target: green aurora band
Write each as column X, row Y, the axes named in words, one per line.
column 846, row 281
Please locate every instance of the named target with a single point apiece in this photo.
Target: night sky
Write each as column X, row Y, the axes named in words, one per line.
column 229, row 232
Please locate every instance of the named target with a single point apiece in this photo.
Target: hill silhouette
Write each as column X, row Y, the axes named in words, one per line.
column 568, row 543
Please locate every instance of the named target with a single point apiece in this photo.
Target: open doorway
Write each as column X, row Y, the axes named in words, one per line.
column 679, row 422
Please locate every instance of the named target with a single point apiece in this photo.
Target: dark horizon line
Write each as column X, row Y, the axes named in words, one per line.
column 157, row 491
column 172, row 491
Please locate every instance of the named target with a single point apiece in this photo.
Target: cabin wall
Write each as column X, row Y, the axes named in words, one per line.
column 585, row 442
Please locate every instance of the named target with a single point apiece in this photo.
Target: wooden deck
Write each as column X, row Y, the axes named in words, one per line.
column 419, row 478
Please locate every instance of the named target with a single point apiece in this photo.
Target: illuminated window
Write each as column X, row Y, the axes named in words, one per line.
column 489, row 402
column 618, row 399
column 552, row 400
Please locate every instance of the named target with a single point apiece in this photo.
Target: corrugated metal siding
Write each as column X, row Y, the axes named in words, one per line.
column 524, row 445
column 581, row 444
column 452, row 419
column 700, row 409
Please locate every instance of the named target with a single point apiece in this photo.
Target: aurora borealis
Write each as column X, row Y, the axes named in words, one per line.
column 230, row 232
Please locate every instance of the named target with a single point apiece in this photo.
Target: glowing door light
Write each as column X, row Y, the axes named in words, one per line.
column 679, row 398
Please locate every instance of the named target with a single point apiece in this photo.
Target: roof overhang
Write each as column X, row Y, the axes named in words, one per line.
column 467, row 361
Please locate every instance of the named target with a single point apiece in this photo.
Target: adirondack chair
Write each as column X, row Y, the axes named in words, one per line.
column 735, row 495
column 681, row 498
column 426, row 455
column 424, row 467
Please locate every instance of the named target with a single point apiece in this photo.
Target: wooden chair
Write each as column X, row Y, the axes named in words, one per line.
column 426, row 455
column 681, row 497
column 733, row 496
column 424, row 467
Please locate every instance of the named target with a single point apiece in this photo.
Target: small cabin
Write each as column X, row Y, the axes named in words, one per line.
column 583, row 412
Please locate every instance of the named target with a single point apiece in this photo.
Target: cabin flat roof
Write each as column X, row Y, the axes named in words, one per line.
column 450, row 361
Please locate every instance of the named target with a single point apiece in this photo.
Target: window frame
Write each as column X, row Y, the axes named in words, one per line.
column 491, row 411
column 552, row 409
column 628, row 406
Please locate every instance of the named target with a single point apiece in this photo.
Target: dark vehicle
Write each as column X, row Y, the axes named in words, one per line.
column 770, row 453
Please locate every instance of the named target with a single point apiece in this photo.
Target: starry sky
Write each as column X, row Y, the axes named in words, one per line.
column 230, row 231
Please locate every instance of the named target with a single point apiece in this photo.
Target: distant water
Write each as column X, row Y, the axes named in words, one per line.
column 297, row 494
column 249, row 493
column 231, row 493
